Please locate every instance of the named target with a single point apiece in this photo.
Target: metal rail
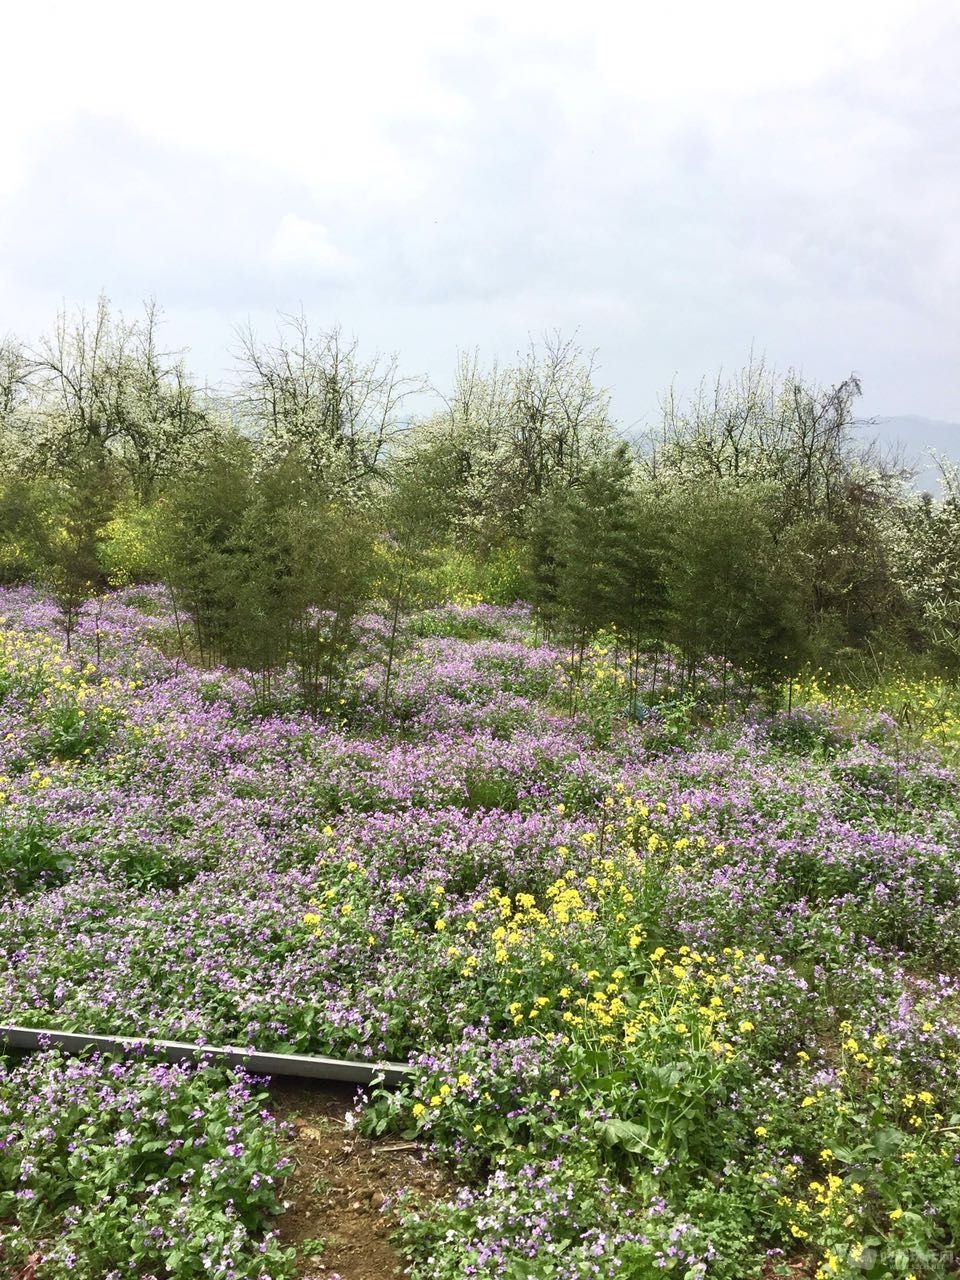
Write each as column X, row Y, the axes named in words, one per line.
column 269, row 1064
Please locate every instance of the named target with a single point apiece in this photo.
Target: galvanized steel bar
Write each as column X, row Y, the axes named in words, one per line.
column 304, row 1066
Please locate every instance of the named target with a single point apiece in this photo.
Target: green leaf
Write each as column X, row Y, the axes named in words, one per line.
column 624, row 1133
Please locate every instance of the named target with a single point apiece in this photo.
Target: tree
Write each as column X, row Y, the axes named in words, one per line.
column 798, row 439
column 316, row 394
column 164, row 419
column 202, row 512
column 831, row 499
column 19, row 421
column 927, row 559
column 730, row 594
column 598, row 551
column 411, row 529
column 68, row 554
column 102, row 383
column 510, row 436
column 270, row 569
column 557, row 418
column 302, row 566
column 14, row 380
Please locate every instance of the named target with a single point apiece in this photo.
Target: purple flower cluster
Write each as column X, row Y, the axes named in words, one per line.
column 175, row 863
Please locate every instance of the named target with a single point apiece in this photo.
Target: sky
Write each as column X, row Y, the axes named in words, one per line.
column 675, row 184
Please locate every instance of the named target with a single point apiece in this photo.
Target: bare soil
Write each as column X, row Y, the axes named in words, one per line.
column 340, row 1186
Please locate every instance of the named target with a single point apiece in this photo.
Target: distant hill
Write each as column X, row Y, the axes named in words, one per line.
column 918, row 436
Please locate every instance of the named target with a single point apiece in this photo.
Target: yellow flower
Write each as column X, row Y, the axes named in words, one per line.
column 895, row 1214
column 439, row 925
column 418, row 1110
column 746, row 1026
column 761, row 1131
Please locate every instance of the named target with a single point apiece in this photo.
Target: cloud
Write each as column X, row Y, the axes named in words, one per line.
column 301, row 245
column 683, row 182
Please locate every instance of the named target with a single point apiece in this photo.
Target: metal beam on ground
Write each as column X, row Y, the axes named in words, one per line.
column 304, row 1066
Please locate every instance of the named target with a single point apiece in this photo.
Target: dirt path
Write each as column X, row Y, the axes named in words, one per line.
column 339, row 1183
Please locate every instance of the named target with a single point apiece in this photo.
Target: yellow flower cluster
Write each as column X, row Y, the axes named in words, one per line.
column 928, row 710
column 35, row 664
column 681, row 999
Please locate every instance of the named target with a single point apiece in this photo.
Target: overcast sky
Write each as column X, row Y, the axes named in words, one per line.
column 677, row 182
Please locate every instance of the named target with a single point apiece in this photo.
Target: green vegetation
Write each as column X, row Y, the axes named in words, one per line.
column 752, row 525
column 165, row 1170
column 614, row 788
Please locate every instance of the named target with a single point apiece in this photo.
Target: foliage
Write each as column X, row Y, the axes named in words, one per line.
column 110, row 1167
column 127, row 549
column 498, row 577
column 677, row 993
column 523, row 487
column 664, row 917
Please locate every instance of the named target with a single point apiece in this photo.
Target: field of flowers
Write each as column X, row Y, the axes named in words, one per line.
column 681, row 991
